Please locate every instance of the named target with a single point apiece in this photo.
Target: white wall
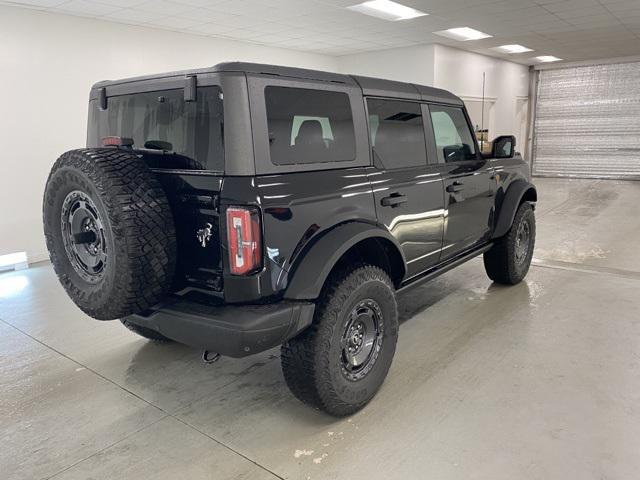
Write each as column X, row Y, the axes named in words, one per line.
column 406, row 64
column 455, row 70
column 47, row 66
column 461, row 72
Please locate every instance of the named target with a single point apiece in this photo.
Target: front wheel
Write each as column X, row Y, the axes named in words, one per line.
column 509, row 259
column 338, row 364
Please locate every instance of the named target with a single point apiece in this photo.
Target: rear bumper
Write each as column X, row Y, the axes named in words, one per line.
column 232, row 330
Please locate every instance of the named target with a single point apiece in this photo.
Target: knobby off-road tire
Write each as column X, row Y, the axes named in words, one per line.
column 314, row 362
column 109, row 231
column 509, row 259
column 147, row 333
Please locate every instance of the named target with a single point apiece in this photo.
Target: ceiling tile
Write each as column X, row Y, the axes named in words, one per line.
column 87, row 8
column 164, row 7
column 211, row 29
column 174, row 23
column 569, row 5
column 206, row 15
column 130, row 15
column 121, row 3
column 34, row 3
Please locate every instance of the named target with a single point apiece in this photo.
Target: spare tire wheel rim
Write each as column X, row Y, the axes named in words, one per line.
column 522, row 241
column 361, row 340
column 83, row 236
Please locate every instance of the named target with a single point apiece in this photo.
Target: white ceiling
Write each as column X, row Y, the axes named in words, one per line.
column 574, row 30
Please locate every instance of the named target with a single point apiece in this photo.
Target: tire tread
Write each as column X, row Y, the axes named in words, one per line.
column 301, row 355
column 499, row 261
column 141, row 223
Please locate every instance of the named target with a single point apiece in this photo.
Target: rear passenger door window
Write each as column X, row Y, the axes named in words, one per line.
column 309, row 126
column 454, row 141
column 397, row 133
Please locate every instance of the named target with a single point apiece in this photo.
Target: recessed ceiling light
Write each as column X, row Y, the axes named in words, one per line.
column 511, row 49
column 463, row 34
column 387, row 10
column 547, row 58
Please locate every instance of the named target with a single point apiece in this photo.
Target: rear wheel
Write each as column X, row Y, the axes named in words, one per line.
column 509, row 259
column 340, row 362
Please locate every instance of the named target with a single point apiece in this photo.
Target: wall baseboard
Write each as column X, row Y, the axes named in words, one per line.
column 38, row 258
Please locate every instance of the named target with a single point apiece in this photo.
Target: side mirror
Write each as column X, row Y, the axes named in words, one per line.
column 504, row 146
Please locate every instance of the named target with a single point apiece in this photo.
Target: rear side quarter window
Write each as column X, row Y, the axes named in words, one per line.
column 309, row 126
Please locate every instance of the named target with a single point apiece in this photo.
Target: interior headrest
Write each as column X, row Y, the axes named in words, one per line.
column 310, row 131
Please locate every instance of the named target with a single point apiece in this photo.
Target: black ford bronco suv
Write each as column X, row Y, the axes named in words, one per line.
column 245, row 206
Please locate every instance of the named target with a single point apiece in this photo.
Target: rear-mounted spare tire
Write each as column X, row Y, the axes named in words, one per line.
column 109, row 231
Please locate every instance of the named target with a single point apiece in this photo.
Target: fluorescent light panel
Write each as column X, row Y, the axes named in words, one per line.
column 547, row 58
column 464, row 34
column 387, row 10
column 511, row 49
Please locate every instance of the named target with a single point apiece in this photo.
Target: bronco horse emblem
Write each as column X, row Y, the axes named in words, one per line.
column 204, row 234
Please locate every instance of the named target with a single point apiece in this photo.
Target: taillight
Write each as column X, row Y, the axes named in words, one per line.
column 244, row 240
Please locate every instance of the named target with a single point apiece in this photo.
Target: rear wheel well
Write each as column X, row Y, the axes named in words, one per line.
column 378, row 252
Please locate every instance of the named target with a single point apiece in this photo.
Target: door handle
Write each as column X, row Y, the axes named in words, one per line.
column 455, row 187
column 393, row 200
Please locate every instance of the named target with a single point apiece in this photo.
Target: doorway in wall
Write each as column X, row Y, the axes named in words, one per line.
column 479, row 120
column 520, row 128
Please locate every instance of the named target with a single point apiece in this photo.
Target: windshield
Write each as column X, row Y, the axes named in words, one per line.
column 185, row 135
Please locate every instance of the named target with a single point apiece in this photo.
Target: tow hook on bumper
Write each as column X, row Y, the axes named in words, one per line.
column 210, row 357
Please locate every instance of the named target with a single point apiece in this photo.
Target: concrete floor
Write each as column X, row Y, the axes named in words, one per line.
column 536, row 381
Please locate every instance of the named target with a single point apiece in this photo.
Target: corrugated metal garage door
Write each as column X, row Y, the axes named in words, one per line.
column 587, row 122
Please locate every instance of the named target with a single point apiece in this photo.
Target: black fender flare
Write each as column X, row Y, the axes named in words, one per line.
column 313, row 269
column 510, row 203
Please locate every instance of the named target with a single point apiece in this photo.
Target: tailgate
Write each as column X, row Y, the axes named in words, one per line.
column 194, row 202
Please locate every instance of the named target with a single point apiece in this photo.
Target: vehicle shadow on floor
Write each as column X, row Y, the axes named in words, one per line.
column 257, row 382
column 421, row 298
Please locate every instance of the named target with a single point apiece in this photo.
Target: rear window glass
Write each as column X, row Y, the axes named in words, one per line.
column 309, row 126
column 397, row 133
column 184, row 135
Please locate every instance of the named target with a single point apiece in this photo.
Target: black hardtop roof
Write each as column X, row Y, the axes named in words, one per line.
column 369, row 85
